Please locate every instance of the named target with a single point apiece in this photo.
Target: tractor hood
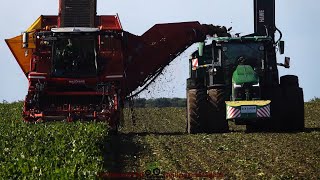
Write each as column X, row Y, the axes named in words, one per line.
column 244, row 74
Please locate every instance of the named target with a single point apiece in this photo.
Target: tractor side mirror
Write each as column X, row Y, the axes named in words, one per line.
column 281, row 47
column 286, row 62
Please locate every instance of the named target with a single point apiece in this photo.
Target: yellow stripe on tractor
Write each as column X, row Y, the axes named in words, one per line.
column 248, row 103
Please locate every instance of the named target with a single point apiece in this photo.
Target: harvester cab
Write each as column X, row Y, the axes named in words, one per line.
column 74, row 54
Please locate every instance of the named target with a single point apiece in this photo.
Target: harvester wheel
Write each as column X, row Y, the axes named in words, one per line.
column 217, row 115
column 115, row 122
column 30, row 120
column 196, row 110
column 114, row 130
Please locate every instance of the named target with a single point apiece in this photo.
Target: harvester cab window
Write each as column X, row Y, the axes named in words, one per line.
column 74, row 57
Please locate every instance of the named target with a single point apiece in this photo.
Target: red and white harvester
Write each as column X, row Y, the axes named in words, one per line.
column 81, row 65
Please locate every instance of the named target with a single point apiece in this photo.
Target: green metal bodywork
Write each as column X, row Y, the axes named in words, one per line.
column 241, row 39
column 245, row 74
column 230, row 50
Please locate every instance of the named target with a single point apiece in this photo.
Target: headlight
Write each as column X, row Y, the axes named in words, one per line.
column 256, row 85
column 236, row 85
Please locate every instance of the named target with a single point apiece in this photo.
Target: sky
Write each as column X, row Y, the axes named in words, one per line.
column 298, row 20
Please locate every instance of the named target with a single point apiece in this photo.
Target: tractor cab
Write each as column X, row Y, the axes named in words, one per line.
column 242, row 51
column 242, row 62
column 239, row 66
column 238, row 63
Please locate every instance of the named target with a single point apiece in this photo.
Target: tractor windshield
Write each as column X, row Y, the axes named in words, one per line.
column 74, row 56
column 250, row 53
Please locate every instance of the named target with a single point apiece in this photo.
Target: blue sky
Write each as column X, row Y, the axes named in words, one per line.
column 297, row 19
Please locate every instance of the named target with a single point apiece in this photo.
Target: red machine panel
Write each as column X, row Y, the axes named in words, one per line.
column 160, row 45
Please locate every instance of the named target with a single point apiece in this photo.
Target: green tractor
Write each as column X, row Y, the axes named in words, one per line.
column 236, row 78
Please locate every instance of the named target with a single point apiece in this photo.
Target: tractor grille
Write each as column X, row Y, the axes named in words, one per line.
column 77, row 13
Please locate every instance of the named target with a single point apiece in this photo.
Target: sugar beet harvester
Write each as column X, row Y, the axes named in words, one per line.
column 82, row 66
column 236, row 78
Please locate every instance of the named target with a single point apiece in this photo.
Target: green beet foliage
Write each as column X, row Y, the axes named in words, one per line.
column 55, row 150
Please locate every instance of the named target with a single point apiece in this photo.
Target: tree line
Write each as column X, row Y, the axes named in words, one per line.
column 159, row 102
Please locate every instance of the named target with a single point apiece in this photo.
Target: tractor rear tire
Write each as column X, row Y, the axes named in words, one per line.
column 293, row 103
column 275, row 123
column 287, row 108
column 294, row 108
column 196, row 110
column 287, row 105
column 217, row 123
column 289, row 81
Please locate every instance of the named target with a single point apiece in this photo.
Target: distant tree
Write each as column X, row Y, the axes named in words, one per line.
column 315, row 99
column 181, row 102
column 159, row 102
column 163, row 102
column 140, row 102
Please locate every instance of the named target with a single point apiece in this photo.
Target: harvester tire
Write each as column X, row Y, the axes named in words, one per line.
column 196, row 110
column 216, row 121
column 114, row 131
column 116, row 119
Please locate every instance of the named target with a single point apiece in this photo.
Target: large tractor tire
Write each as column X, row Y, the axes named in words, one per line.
column 216, row 120
column 293, row 103
column 287, row 107
column 289, row 81
column 276, row 108
column 196, row 110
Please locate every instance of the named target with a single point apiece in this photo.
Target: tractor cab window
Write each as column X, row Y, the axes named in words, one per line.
column 74, row 56
column 250, row 53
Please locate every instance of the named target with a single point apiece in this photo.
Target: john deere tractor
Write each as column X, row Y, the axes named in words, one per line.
column 236, row 78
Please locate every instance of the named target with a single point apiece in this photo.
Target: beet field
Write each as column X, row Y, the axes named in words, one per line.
column 157, row 144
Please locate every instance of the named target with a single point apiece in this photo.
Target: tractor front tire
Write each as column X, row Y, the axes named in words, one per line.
column 196, row 110
column 216, row 121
